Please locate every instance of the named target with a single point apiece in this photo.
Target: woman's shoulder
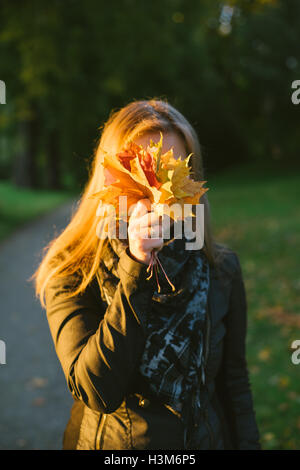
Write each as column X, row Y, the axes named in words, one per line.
column 227, row 261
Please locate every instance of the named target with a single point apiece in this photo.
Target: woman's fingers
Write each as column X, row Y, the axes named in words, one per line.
column 149, row 219
column 141, row 219
column 152, row 231
column 148, row 225
column 144, row 231
column 141, row 208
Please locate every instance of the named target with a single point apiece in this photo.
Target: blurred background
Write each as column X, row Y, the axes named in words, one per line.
column 228, row 66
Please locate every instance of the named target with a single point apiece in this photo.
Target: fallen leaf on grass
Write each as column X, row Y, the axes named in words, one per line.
column 268, row 436
column 264, row 354
column 280, row 316
column 254, row 369
column 284, row 381
column 283, row 406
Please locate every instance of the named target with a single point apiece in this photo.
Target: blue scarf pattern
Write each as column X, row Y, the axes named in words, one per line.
column 173, row 361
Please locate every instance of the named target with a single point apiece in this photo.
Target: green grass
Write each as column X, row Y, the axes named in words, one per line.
column 259, row 217
column 18, row 205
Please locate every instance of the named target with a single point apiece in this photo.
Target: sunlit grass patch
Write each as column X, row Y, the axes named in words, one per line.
column 259, row 218
column 19, row 205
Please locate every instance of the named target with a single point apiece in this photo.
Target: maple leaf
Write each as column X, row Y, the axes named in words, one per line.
column 146, row 160
column 140, row 173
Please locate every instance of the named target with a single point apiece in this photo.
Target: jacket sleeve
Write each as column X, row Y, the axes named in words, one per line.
column 98, row 345
column 233, row 378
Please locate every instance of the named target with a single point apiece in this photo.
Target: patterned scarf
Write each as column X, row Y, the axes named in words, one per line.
column 173, row 360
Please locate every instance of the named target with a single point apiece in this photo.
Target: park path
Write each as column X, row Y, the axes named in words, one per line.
column 35, row 402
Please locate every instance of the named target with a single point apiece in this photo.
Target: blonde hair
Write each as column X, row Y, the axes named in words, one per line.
column 78, row 248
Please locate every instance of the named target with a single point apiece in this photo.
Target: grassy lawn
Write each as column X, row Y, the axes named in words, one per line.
column 259, row 217
column 18, row 206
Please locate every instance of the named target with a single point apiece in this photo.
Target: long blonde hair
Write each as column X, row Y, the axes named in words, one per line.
column 78, row 248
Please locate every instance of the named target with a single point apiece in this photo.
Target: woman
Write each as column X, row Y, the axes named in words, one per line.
column 148, row 370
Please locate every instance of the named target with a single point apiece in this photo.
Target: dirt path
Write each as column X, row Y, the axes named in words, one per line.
column 35, row 402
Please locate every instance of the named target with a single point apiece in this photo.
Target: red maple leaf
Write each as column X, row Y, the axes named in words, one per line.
column 146, row 160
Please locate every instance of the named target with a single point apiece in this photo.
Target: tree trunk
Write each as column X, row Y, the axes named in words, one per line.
column 25, row 165
column 53, row 160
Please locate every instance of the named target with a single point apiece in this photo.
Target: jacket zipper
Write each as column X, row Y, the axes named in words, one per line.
column 208, row 426
column 99, row 432
column 207, row 344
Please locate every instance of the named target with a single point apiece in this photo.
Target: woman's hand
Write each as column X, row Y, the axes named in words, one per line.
column 142, row 226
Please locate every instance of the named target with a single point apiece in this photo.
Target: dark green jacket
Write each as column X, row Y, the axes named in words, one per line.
column 99, row 348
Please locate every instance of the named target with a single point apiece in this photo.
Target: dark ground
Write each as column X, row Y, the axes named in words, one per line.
column 35, row 402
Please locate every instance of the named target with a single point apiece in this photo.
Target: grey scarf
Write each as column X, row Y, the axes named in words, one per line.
column 172, row 361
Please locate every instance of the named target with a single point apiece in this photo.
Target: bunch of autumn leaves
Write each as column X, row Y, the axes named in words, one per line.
column 138, row 173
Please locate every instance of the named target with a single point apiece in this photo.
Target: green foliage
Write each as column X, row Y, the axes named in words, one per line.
column 68, row 64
